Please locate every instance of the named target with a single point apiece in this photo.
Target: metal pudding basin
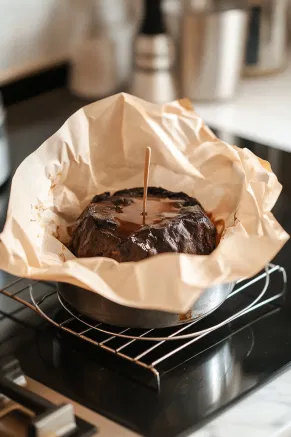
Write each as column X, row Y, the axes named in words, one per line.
column 98, row 308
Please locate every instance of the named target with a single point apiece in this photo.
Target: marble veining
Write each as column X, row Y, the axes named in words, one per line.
column 265, row 413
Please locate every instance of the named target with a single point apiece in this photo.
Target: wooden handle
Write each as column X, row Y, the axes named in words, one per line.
column 147, row 162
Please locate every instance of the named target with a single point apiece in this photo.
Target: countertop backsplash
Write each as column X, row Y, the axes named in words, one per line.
column 51, row 29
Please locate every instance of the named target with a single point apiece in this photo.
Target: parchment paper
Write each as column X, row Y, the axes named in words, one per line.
column 101, row 147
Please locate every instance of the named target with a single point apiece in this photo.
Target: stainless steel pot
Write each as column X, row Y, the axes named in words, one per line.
column 212, row 44
column 103, row 310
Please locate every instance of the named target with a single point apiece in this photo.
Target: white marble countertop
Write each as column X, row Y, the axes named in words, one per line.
column 265, row 413
column 261, row 111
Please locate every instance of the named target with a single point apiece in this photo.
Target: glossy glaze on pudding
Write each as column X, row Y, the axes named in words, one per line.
column 112, row 226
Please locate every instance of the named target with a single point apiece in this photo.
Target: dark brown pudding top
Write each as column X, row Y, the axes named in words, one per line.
column 130, row 217
column 112, row 226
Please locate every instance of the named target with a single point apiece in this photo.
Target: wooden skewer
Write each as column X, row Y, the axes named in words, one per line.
column 147, row 162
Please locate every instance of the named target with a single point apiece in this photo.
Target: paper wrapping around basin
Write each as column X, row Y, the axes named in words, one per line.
column 101, row 147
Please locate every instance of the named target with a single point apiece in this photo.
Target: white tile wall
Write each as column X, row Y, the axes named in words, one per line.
column 38, row 33
column 33, row 34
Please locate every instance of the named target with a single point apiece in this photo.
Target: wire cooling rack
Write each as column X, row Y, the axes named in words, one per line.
column 143, row 349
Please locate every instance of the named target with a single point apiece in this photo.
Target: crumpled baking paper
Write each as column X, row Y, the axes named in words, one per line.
column 101, row 148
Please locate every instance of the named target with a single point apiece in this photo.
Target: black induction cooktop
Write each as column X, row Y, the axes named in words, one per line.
column 207, row 377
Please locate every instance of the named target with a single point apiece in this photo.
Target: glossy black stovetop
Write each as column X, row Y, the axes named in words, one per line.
column 211, row 374
column 205, row 378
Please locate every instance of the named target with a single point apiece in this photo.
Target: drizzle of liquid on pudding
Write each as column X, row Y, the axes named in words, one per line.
column 131, row 219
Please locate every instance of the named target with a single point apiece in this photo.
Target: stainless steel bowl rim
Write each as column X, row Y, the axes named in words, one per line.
column 96, row 307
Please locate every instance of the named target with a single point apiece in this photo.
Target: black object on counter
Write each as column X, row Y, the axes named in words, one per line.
column 153, row 21
column 252, row 46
